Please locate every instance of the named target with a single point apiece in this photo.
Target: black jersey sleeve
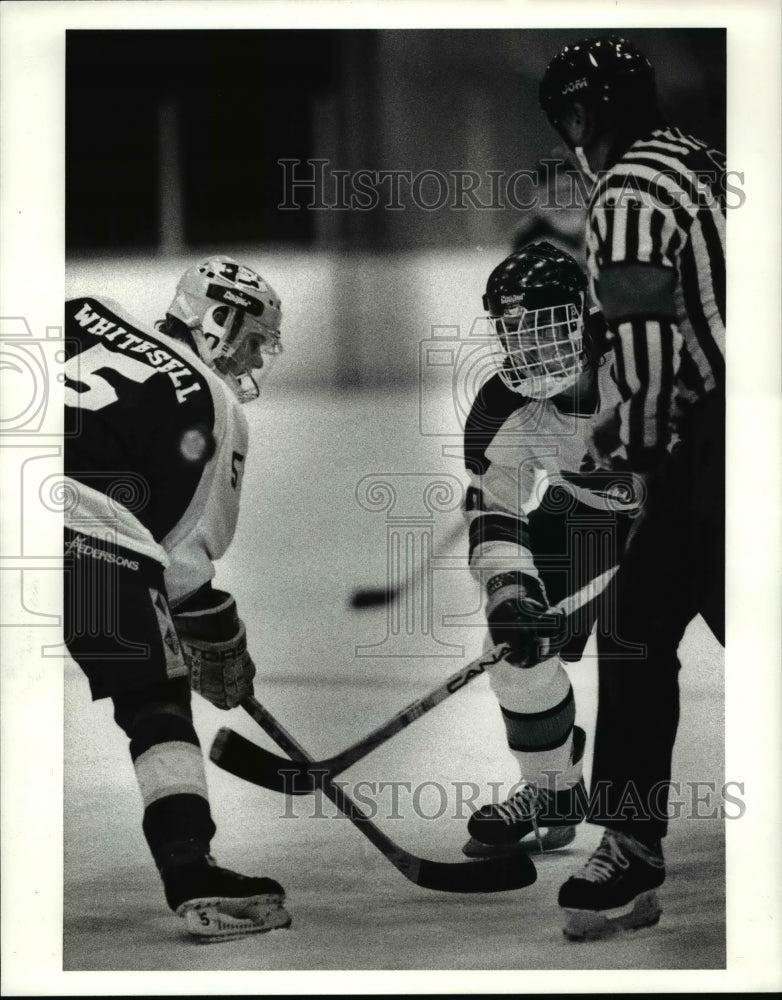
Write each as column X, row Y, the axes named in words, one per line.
column 139, row 414
column 494, row 403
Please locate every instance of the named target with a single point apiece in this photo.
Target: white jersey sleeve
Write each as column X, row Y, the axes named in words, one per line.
column 207, row 529
column 504, row 482
column 522, row 454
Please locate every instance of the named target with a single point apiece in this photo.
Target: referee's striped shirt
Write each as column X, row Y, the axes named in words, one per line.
column 663, row 204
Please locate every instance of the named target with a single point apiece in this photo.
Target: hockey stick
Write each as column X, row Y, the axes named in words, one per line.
column 484, row 875
column 262, row 767
column 253, row 763
column 373, row 597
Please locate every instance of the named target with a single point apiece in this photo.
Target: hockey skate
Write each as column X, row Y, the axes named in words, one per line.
column 218, row 904
column 615, row 890
column 533, row 819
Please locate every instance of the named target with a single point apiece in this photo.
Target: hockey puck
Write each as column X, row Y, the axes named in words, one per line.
column 370, row 598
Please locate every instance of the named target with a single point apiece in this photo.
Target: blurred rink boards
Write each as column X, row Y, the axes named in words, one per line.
column 350, row 320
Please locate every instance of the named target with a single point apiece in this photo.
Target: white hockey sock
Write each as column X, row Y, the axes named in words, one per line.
column 550, row 769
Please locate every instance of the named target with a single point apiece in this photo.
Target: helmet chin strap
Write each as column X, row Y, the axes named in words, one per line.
column 193, row 324
column 202, row 345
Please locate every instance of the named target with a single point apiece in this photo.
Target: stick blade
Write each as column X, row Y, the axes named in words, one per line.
column 501, row 874
column 241, row 757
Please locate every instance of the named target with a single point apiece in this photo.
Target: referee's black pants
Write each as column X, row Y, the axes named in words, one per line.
column 673, row 570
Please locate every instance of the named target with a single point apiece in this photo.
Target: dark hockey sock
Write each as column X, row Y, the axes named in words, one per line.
column 534, row 732
column 169, row 767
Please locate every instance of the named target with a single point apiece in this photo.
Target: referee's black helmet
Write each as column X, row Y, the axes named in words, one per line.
column 608, row 74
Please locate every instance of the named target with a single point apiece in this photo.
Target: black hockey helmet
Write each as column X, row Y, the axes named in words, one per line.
column 607, row 73
column 536, row 302
column 537, row 275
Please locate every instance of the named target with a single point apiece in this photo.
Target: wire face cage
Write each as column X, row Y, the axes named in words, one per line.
column 541, row 348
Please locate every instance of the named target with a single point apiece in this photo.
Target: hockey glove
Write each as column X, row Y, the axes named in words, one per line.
column 518, row 614
column 214, row 643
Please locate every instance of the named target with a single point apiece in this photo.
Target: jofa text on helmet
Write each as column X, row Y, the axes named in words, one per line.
column 574, row 85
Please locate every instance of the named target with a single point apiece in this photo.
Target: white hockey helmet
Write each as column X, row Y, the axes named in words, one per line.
column 234, row 317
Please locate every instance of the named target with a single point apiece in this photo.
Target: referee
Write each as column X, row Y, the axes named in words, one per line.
column 655, row 245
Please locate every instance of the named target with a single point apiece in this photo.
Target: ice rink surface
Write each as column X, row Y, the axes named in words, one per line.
column 303, row 544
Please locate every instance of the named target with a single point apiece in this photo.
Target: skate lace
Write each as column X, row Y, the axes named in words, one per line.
column 606, row 859
column 522, row 805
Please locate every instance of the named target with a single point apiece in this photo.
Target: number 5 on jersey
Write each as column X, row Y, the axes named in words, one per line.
column 96, row 391
column 237, row 467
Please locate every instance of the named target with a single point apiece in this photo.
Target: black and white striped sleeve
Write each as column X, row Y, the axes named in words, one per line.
column 634, row 226
column 646, row 351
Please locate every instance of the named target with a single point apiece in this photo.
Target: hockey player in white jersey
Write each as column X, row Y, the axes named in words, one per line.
column 543, row 524
column 155, row 446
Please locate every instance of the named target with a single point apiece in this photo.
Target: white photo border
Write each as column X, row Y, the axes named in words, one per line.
column 32, row 171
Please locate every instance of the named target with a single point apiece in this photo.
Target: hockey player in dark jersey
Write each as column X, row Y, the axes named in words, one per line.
column 543, row 525
column 655, row 241
column 155, row 446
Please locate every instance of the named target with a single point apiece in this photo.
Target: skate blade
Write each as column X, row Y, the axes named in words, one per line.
column 213, row 921
column 553, row 838
column 593, row 925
